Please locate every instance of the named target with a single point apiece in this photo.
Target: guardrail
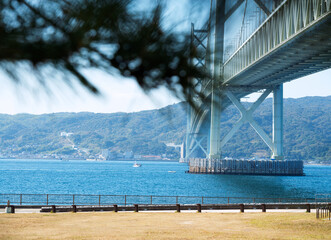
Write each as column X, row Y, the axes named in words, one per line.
column 125, row 200
column 178, row 207
column 323, row 212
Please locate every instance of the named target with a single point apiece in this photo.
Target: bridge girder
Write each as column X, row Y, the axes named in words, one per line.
column 285, row 47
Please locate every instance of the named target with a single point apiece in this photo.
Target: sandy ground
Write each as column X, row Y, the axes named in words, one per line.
column 166, row 225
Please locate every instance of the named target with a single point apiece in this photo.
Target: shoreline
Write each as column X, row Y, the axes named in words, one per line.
column 130, row 160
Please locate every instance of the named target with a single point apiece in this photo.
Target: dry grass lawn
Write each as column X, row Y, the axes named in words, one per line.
column 149, row 225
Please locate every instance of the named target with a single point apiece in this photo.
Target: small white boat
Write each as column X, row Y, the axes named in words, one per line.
column 136, row 164
column 171, row 171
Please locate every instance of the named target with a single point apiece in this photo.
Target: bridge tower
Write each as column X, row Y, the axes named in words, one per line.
column 206, row 142
column 263, row 60
column 276, row 144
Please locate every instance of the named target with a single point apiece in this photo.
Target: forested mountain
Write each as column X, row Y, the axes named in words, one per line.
column 307, row 132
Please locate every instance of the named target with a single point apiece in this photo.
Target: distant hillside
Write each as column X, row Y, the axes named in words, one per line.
column 306, row 131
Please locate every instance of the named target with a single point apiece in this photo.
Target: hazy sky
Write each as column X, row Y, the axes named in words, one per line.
column 120, row 95
column 124, row 95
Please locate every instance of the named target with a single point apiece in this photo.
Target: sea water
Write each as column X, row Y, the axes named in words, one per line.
column 152, row 178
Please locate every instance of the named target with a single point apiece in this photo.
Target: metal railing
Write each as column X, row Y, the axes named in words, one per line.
column 323, row 212
column 89, row 199
column 323, row 198
column 323, row 206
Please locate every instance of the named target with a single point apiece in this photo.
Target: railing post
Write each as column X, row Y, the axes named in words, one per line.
column 308, row 208
column 199, row 207
column 136, row 208
column 201, row 200
column 323, row 212
column 228, row 200
column 20, row 199
column 12, row 209
column 242, row 208
column 124, row 200
column 99, row 200
column 73, row 199
column 317, row 212
column 326, row 213
column 46, row 199
column 177, row 207
column 151, row 199
column 53, row 209
column 176, row 199
column 264, row 208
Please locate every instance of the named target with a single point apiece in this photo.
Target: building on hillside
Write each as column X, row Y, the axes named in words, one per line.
column 151, row 157
column 128, row 155
column 66, row 134
column 105, row 154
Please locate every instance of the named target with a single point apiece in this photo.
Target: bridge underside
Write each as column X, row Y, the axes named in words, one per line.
column 306, row 53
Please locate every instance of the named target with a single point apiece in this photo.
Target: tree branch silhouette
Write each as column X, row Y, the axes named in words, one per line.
column 109, row 35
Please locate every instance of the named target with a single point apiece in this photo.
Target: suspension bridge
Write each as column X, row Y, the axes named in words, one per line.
column 278, row 42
